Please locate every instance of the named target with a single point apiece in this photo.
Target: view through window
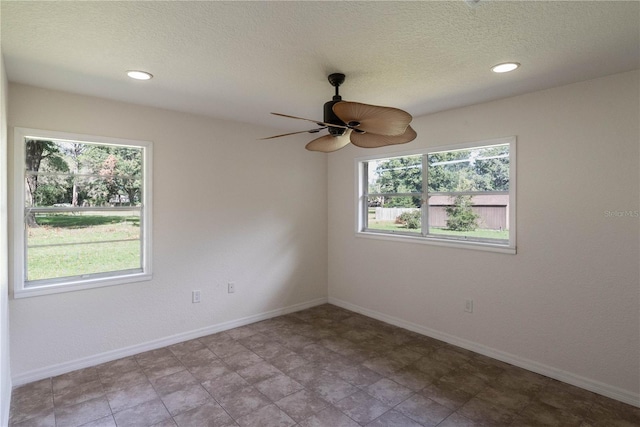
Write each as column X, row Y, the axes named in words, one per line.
column 462, row 194
column 85, row 210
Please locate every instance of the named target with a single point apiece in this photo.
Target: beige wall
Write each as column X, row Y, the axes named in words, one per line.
column 227, row 207
column 567, row 303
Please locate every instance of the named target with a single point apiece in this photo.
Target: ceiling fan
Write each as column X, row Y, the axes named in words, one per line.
column 363, row 125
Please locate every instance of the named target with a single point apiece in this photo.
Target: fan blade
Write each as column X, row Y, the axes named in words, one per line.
column 294, row 133
column 371, row 140
column 309, row 120
column 329, row 143
column 372, row 118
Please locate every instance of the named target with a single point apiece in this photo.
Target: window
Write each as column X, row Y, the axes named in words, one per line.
column 82, row 215
column 456, row 196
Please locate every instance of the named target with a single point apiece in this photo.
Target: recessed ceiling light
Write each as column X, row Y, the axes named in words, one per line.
column 505, row 67
column 139, row 75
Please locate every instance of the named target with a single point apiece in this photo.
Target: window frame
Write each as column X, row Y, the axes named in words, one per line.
column 21, row 287
column 361, row 190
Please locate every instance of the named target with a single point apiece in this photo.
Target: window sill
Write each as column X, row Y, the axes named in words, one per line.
column 56, row 288
column 479, row 246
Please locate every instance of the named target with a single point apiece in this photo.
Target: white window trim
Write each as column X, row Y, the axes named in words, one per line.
column 509, row 248
column 57, row 285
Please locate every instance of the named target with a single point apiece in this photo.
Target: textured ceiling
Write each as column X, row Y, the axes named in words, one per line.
column 242, row 60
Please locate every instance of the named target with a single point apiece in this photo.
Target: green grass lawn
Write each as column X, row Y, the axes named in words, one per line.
column 477, row 234
column 72, row 245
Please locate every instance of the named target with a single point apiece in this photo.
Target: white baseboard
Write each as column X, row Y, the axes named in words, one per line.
column 63, row 368
column 598, row 387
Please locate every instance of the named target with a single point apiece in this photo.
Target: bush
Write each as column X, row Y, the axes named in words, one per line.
column 411, row 220
column 461, row 216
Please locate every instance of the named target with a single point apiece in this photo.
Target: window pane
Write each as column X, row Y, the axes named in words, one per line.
column 70, row 244
column 66, row 261
column 477, row 217
column 475, row 169
column 396, row 175
column 394, row 214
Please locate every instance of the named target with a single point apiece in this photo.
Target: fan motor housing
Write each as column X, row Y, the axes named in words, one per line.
column 330, row 117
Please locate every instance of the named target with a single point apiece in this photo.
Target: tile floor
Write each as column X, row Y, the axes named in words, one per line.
column 324, row 366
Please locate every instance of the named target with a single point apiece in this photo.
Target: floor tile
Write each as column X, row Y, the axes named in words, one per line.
column 510, row 400
column 423, row 410
column 243, row 402
column 267, row 416
column 388, row 391
column 329, row 417
column 173, row 382
column 359, row 376
column 302, row 404
column 107, row 421
column 186, row 347
column 289, row 361
column 131, row 396
column 117, row 367
column 200, row 357
column 242, row 359
column 224, row 385
column 113, row 382
column 279, row 386
column 44, row 419
column 482, row 412
column 412, row 378
column 210, row 414
column 185, row 399
column 259, row 372
column 393, row 419
column 541, row 414
column 361, row 407
column 82, row 413
column 446, row 395
column 31, row 405
column 457, row 420
column 210, row 371
column 331, row 388
column 145, row 414
column 270, row 350
column 165, row 366
column 75, row 378
column 153, row 357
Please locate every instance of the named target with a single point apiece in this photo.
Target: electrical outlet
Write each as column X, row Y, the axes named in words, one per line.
column 195, row 296
column 231, row 287
column 468, row 306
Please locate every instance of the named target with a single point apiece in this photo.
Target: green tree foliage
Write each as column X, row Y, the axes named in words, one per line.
column 400, row 175
column 37, row 152
column 77, row 174
column 460, row 216
column 482, row 169
column 120, row 172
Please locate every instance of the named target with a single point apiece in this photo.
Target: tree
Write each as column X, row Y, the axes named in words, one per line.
column 400, row 175
column 37, row 151
column 120, row 169
column 460, row 216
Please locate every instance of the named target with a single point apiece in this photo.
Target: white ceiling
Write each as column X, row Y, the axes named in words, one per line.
column 242, row 60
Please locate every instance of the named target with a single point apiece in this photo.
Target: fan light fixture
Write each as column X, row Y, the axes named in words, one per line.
column 505, row 67
column 139, row 75
column 363, row 125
